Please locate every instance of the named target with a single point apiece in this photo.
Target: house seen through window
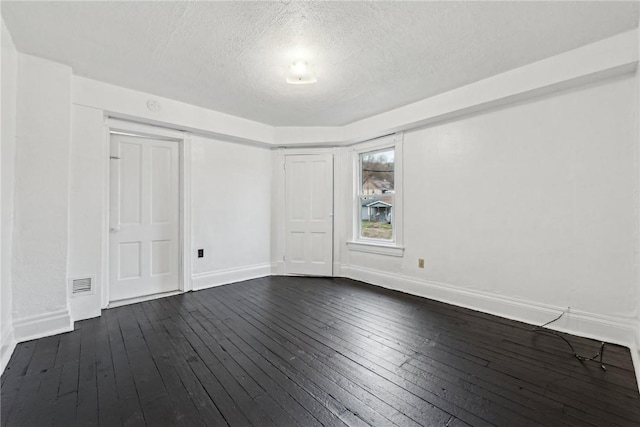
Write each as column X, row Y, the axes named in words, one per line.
column 376, row 194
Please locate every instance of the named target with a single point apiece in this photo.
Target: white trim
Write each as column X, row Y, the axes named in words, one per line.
column 185, row 212
column 377, row 144
column 375, row 248
column 231, row 275
column 590, row 325
column 133, row 128
column 381, row 247
column 278, row 209
column 8, row 345
column 279, row 202
column 120, row 303
column 297, row 151
column 106, row 200
column 42, row 325
column 341, row 206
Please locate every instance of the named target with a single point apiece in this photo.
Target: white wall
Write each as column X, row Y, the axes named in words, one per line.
column 87, row 188
column 41, row 197
column 7, row 156
column 534, row 205
column 231, row 211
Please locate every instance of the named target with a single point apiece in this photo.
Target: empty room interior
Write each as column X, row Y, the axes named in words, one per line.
column 320, row 213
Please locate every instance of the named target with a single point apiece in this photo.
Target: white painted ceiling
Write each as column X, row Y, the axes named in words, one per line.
column 369, row 57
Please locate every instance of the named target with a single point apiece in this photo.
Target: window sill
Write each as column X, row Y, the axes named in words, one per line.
column 376, row 248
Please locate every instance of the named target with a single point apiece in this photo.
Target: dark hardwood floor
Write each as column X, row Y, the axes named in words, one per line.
column 285, row 351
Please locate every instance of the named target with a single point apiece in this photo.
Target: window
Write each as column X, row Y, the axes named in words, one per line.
column 376, row 193
column 378, row 203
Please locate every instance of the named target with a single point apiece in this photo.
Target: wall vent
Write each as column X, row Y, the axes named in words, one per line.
column 82, row 286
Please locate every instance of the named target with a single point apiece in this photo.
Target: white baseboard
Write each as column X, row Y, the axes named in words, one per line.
column 8, row 345
column 223, row 277
column 590, row 325
column 42, row 325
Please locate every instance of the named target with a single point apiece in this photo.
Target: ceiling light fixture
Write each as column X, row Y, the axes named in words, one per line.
column 301, row 73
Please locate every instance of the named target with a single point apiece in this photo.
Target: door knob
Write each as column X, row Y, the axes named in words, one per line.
column 115, row 229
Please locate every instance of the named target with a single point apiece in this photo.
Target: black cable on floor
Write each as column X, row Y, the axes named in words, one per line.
column 543, row 329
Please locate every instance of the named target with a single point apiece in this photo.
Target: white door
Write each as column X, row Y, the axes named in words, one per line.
column 309, row 214
column 144, row 217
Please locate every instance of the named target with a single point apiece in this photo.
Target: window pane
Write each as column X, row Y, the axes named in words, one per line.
column 376, row 194
column 376, row 214
column 377, row 172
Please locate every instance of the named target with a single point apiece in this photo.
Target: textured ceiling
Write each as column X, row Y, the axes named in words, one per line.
column 369, row 57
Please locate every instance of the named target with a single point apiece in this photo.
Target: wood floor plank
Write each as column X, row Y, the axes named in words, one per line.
column 245, row 371
column 87, row 413
column 316, row 383
column 154, row 399
column 296, row 386
column 44, row 355
column 69, row 347
column 366, row 393
column 130, row 409
column 165, row 359
column 294, row 351
column 228, row 394
column 361, row 361
column 108, row 402
column 10, row 391
column 19, row 362
column 25, row 406
column 185, row 354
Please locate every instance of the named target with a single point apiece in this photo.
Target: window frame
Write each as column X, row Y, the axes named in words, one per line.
column 393, row 247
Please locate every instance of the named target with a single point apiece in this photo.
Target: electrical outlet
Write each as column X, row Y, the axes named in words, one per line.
column 420, row 263
column 200, row 253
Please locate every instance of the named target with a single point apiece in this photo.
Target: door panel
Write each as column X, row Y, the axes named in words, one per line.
column 129, row 201
column 144, row 217
column 309, row 214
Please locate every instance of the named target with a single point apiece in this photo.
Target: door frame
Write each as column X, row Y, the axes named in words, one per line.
column 116, row 125
column 280, row 204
